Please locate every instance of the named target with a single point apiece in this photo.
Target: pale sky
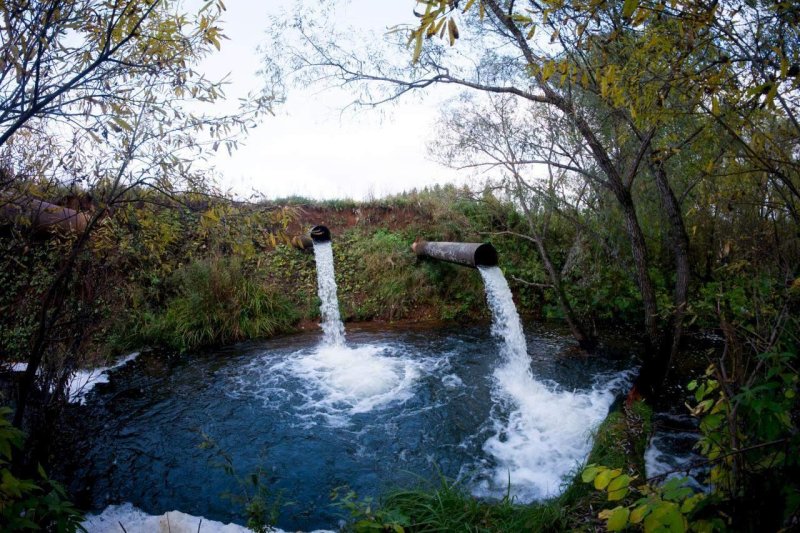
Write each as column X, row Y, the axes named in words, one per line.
column 310, row 148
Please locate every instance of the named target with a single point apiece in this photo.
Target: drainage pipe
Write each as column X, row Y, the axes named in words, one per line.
column 471, row 254
column 43, row 216
column 320, row 234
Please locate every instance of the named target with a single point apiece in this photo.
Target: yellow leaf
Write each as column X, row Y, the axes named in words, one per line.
column 604, row 478
column 616, row 518
column 417, row 48
column 452, row 30
column 638, row 514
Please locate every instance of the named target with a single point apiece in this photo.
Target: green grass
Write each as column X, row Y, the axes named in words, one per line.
column 217, row 301
column 448, row 506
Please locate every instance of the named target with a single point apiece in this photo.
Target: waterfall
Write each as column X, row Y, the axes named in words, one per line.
column 505, row 320
column 326, row 289
column 539, row 433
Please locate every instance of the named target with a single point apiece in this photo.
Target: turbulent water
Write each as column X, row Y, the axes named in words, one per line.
column 326, row 288
column 541, row 431
column 671, row 451
column 335, row 382
column 392, row 408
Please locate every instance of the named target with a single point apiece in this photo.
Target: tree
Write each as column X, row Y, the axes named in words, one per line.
column 504, row 66
column 501, row 135
column 110, row 86
column 641, row 82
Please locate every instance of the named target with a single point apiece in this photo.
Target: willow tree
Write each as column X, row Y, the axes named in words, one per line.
column 110, row 88
column 641, row 82
column 503, row 136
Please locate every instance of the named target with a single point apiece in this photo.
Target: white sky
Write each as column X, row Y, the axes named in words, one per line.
column 310, row 148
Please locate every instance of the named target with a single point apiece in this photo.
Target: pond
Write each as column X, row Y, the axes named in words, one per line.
column 389, row 409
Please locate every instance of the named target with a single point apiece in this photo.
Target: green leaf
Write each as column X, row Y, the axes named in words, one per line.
column 616, row 518
column 122, row 123
column 666, row 516
column 690, row 503
column 629, row 7
column 589, row 473
column 674, row 483
column 417, row 48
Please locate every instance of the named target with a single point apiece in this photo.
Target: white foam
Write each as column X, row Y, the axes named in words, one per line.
column 546, row 432
column 116, row 517
column 452, row 381
column 85, row 380
column 662, row 460
column 326, row 289
column 341, row 381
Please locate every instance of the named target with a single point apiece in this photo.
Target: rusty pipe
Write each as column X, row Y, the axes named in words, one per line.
column 43, row 216
column 320, row 234
column 471, row 254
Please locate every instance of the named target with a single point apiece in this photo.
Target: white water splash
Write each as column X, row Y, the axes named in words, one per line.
column 85, row 380
column 326, row 289
column 336, row 382
column 346, row 381
column 116, row 517
column 546, row 432
column 671, row 453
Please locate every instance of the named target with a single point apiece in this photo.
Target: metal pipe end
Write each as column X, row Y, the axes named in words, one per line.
column 485, row 255
column 320, row 234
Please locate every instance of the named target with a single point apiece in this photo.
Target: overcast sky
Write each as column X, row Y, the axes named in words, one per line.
column 310, row 148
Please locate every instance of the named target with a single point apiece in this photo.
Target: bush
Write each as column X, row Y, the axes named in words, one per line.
column 27, row 504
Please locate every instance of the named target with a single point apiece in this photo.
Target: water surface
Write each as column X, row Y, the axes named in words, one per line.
column 389, row 409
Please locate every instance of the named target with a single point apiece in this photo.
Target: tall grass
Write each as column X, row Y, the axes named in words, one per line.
column 216, row 301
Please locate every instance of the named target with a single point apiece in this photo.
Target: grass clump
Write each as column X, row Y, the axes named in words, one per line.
column 216, row 301
column 449, row 507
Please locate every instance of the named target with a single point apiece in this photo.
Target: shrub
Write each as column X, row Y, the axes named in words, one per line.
column 27, row 504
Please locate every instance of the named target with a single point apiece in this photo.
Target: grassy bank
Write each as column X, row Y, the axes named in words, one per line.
column 619, row 442
column 210, row 273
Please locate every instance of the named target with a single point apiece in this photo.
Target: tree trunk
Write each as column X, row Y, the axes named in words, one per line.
column 586, row 341
column 49, row 312
column 680, row 248
column 642, row 264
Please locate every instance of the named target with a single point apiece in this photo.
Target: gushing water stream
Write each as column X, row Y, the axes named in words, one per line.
column 541, row 432
column 326, row 289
